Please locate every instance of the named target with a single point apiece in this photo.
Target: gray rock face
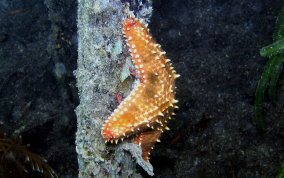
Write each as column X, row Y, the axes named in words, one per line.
column 37, row 87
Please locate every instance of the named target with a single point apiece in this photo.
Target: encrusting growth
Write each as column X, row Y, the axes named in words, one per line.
column 145, row 111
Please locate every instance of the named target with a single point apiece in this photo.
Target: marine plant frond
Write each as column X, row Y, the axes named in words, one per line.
column 279, row 27
column 272, row 69
column 39, row 164
column 16, row 159
column 281, row 172
column 273, row 49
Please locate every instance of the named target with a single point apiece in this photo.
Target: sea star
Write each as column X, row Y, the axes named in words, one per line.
column 145, row 111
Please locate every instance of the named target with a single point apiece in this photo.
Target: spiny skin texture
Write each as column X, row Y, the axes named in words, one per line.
column 145, row 111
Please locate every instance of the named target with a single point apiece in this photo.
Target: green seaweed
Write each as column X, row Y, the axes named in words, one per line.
column 273, row 49
column 272, row 69
column 279, row 27
column 281, row 172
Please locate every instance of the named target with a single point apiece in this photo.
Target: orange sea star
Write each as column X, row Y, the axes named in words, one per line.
column 145, row 111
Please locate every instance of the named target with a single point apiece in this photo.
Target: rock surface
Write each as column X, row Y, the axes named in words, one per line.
column 214, row 45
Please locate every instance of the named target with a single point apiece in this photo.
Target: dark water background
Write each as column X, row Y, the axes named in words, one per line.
column 213, row 44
